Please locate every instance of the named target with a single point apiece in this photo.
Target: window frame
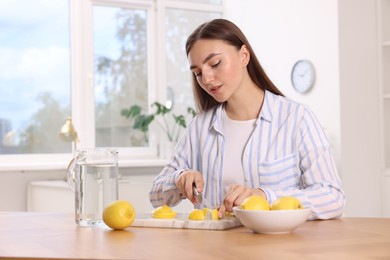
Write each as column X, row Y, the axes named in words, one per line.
column 82, row 73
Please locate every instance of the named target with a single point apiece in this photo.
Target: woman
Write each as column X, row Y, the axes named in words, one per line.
column 247, row 139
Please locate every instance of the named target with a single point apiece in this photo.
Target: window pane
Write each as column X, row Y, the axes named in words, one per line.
column 34, row 75
column 120, row 81
column 179, row 25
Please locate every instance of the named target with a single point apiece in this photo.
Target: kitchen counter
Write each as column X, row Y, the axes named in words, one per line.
column 29, row 235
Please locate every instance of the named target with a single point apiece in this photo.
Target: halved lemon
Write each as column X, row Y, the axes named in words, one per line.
column 164, row 212
column 196, row 214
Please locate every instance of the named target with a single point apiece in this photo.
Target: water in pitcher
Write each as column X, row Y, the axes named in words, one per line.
column 97, row 188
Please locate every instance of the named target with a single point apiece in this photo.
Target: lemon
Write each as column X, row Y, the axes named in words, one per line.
column 205, row 210
column 210, row 214
column 229, row 214
column 164, row 212
column 255, row 203
column 119, row 214
column 287, row 203
column 214, row 214
column 196, row 214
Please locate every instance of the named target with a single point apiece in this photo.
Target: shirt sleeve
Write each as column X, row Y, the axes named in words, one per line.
column 321, row 188
column 164, row 190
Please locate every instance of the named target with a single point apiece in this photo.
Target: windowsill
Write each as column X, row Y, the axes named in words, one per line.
column 143, row 163
column 61, row 165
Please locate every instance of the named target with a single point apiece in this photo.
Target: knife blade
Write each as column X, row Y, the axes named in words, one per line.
column 202, row 201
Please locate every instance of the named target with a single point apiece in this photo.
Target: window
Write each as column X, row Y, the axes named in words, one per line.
column 34, row 76
column 120, row 73
column 179, row 24
column 92, row 59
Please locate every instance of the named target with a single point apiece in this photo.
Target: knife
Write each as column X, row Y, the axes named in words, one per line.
column 202, row 201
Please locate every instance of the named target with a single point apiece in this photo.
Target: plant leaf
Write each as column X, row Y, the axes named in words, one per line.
column 142, row 122
column 161, row 109
column 133, row 111
column 191, row 111
column 180, row 120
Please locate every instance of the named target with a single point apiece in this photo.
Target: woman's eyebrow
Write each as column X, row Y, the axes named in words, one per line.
column 209, row 57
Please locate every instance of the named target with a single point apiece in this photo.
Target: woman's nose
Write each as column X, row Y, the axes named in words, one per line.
column 207, row 77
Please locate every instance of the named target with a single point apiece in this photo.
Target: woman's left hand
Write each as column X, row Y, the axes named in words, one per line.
column 236, row 195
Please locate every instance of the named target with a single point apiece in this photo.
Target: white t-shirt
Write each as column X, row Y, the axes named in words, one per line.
column 236, row 134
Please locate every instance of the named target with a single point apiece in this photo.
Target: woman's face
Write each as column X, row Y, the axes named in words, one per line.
column 218, row 67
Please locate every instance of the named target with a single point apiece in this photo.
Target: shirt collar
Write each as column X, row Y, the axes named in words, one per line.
column 265, row 113
column 268, row 103
column 217, row 118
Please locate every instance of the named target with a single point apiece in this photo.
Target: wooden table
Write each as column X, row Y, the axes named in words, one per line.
column 26, row 235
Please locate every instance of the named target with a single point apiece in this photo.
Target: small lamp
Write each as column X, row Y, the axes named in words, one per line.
column 69, row 134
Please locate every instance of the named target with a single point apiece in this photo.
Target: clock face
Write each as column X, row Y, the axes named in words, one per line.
column 303, row 76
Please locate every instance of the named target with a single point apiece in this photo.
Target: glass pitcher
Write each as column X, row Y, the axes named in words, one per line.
column 93, row 176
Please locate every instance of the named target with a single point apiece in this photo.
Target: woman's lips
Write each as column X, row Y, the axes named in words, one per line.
column 215, row 89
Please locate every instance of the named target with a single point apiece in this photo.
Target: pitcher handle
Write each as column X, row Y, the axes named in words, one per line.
column 71, row 174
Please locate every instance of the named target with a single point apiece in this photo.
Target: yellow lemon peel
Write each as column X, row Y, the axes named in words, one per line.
column 214, row 214
column 210, row 213
column 196, row 214
column 119, row 214
column 203, row 214
column 229, row 214
column 255, row 203
column 287, row 203
column 164, row 212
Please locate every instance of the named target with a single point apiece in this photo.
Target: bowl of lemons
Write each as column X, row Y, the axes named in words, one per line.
column 283, row 216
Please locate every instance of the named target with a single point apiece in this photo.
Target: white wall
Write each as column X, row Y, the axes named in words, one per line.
column 360, row 137
column 284, row 31
column 13, row 187
column 339, row 37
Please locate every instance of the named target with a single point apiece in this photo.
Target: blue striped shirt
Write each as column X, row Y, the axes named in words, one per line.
column 287, row 154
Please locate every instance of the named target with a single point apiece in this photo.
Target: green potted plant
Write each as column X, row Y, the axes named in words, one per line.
column 160, row 116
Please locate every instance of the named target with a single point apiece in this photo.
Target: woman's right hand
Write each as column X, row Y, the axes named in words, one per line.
column 185, row 182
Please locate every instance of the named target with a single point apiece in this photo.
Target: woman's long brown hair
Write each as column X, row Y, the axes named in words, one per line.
column 222, row 29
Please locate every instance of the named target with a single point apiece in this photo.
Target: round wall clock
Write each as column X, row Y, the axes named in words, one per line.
column 303, row 76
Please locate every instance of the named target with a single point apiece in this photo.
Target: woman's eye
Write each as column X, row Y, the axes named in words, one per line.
column 198, row 74
column 216, row 64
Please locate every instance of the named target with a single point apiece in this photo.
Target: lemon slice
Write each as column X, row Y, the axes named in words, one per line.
column 214, row 214
column 164, row 212
column 210, row 214
column 203, row 214
column 196, row 214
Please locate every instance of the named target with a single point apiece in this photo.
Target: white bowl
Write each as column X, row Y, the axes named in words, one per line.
column 272, row 221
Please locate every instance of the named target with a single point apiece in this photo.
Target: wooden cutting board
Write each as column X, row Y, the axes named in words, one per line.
column 181, row 221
